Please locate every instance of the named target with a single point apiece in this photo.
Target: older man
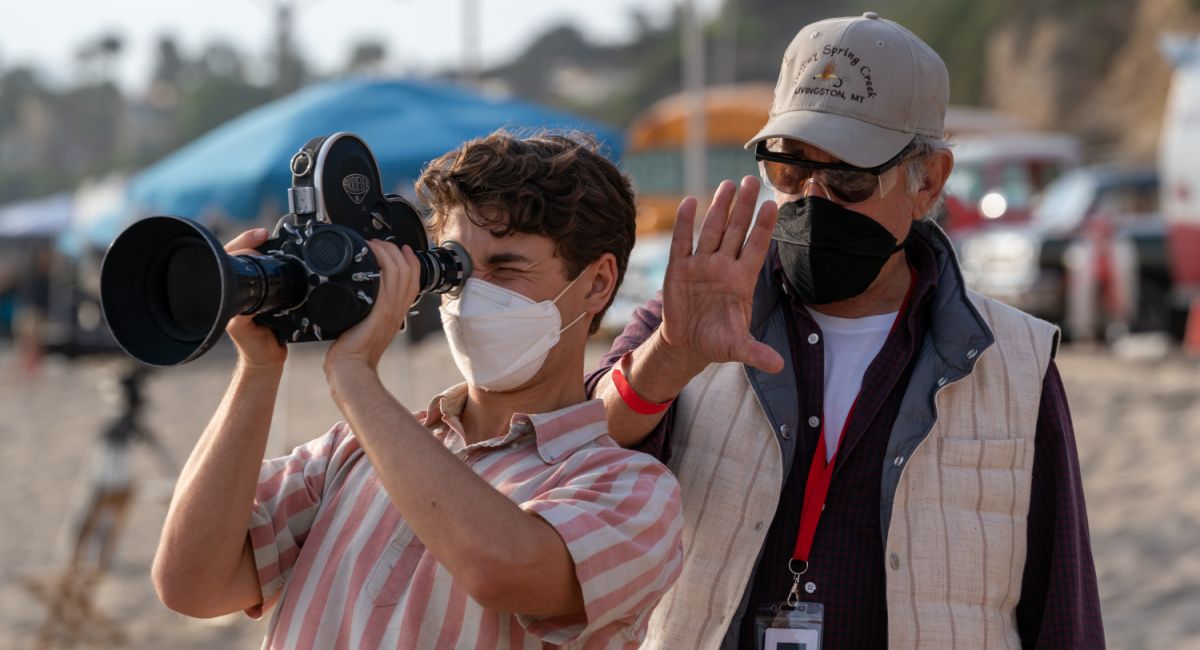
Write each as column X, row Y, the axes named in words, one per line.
column 852, row 427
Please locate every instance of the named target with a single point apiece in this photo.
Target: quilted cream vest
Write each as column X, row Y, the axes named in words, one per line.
column 955, row 544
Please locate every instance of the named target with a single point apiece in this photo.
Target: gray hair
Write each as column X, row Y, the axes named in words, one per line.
column 914, row 159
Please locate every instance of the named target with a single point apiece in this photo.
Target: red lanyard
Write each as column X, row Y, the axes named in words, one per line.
column 815, row 488
column 820, row 473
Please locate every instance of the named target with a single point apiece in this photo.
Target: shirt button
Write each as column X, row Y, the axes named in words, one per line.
column 814, row 338
column 785, row 432
column 971, row 353
column 898, row 461
column 942, row 381
column 894, row 561
column 814, row 421
column 810, row 587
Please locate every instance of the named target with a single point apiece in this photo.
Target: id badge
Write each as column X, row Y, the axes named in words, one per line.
column 787, row 627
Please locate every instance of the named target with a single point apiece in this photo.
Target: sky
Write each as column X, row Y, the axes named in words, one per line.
column 421, row 35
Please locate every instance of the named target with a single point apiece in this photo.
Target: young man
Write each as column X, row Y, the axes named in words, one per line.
column 503, row 515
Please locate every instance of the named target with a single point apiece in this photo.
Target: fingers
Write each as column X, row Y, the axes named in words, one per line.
column 390, row 268
column 716, row 218
column 740, row 216
column 413, row 277
column 759, row 240
column 368, row 340
column 249, row 239
column 681, row 238
column 398, row 277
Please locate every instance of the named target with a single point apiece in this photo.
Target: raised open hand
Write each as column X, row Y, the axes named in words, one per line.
column 708, row 289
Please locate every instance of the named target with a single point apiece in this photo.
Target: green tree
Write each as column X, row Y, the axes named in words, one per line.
column 218, row 92
column 169, row 63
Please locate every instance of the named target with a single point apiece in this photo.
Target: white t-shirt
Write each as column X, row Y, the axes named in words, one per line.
column 851, row 344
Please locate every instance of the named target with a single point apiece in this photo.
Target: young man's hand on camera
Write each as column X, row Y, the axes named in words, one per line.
column 362, row 346
column 258, row 348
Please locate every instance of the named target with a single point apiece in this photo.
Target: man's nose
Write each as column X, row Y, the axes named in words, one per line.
column 812, row 186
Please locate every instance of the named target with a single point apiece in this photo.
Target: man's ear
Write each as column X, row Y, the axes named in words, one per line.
column 604, row 284
column 937, row 169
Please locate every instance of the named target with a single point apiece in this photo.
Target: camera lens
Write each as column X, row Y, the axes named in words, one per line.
column 192, row 292
column 445, row 268
column 168, row 288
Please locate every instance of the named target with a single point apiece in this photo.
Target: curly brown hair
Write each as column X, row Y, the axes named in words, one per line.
column 552, row 184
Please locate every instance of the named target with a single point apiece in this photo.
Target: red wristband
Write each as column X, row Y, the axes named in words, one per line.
column 635, row 402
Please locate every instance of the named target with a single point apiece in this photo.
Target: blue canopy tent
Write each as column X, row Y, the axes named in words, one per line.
column 239, row 171
column 241, row 167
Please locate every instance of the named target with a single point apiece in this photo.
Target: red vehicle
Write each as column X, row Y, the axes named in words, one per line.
column 998, row 176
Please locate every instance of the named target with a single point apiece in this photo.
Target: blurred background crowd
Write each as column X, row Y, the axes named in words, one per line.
column 1075, row 196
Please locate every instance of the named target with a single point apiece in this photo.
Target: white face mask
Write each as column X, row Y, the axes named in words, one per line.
column 499, row 338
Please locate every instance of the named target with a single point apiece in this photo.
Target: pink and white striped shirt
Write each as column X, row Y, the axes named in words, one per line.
column 344, row 569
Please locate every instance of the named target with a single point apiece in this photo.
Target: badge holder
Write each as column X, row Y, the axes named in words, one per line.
column 792, row 624
column 786, row 627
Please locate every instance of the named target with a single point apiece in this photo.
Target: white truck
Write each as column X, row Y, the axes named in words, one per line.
column 1179, row 168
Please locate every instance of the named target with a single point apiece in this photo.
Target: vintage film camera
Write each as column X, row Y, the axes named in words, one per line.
column 168, row 288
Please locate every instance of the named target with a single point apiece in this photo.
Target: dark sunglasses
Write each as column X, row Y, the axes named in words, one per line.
column 788, row 174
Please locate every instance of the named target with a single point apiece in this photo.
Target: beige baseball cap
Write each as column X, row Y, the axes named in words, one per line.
column 859, row 88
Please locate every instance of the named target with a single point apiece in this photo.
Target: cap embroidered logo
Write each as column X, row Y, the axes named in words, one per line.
column 829, row 73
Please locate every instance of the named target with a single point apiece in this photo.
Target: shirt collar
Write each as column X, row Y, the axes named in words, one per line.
column 557, row 434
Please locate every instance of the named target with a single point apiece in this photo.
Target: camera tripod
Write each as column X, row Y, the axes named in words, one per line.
column 71, row 617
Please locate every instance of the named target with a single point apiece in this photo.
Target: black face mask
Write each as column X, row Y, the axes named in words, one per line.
column 830, row 253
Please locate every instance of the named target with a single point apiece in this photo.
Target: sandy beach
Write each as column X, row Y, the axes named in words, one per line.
column 1137, row 425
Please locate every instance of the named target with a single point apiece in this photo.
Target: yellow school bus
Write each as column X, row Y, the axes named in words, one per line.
column 655, row 141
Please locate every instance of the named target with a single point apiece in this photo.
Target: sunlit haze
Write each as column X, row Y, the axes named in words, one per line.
column 421, row 36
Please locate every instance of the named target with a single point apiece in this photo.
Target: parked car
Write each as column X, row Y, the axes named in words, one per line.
column 1063, row 265
column 1143, row 289
column 998, row 177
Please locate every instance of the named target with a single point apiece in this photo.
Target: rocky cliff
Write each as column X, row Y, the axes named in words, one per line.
column 1095, row 70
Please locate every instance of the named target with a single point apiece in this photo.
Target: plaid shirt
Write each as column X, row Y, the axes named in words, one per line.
column 1059, row 605
column 348, row 572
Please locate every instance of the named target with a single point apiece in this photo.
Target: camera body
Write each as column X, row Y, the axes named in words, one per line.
column 336, row 204
column 168, row 288
column 335, row 286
